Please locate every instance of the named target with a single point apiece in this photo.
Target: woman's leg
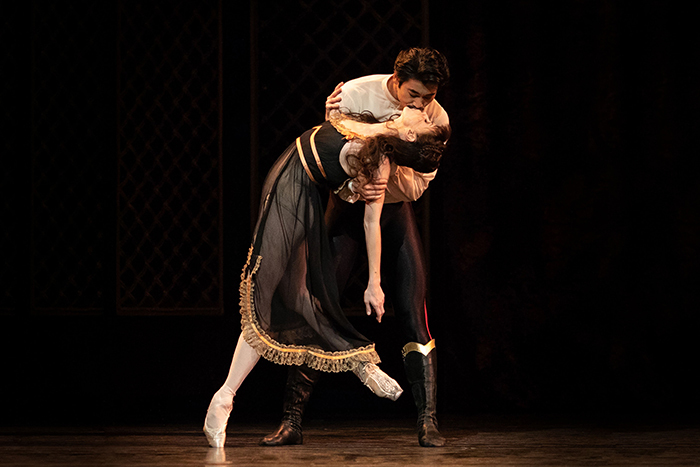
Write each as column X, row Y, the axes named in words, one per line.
column 279, row 233
column 244, row 359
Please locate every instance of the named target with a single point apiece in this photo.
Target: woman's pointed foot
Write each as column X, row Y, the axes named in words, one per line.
column 377, row 381
column 216, row 439
column 217, row 417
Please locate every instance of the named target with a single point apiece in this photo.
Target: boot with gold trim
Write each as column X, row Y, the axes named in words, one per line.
column 420, row 364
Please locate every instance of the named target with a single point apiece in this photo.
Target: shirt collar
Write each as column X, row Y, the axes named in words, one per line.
column 385, row 86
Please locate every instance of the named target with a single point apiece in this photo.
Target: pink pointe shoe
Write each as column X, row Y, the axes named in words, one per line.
column 217, row 417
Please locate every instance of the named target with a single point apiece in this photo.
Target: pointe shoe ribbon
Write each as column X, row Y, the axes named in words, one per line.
column 377, row 381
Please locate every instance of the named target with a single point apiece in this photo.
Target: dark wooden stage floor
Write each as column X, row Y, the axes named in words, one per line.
column 471, row 441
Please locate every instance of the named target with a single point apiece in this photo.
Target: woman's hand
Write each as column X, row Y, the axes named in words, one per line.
column 333, row 101
column 374, row 300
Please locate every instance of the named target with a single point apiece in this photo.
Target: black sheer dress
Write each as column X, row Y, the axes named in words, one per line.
column 290, row 305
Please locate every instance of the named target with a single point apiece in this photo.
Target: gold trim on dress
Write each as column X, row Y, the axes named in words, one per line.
column 268, row 348
column 300, row 152
column 336, row 118
column 416, row 347
column 312, row 141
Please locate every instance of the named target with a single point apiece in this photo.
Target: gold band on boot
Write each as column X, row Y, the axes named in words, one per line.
column 416, row 347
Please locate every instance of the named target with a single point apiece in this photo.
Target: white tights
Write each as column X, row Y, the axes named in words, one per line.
column 244, row 359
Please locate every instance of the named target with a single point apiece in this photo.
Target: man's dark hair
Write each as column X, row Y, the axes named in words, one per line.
column 423, row 64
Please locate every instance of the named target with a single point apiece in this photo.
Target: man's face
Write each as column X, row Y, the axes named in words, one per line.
column 415, row 94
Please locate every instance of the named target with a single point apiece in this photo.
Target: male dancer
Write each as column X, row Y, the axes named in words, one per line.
column 417, row 75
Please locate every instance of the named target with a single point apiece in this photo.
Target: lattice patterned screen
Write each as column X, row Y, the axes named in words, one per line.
column 169, row 135
column 301, row 50
column 305, row 48
column 71, row 143
column 165, row 156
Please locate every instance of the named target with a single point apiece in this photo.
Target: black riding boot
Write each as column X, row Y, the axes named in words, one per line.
column 421, row 369
column 300, row 384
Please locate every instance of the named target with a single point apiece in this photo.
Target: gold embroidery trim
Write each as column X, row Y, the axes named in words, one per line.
column 289, row 348
column 313, row 149
column 416, row 347
column 336, row 120
column 303, row 161
column 268, row 348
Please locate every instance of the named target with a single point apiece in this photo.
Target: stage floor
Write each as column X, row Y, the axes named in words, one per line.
column 493, row 441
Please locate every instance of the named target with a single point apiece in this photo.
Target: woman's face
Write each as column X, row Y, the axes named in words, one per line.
column 413, row 122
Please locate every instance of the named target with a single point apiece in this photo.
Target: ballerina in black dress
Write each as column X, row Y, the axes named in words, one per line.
column 290, row 311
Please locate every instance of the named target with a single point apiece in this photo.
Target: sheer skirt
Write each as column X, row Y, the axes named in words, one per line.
column 290, row 310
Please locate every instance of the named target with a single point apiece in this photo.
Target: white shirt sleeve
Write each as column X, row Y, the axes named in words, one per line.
column 405, row 184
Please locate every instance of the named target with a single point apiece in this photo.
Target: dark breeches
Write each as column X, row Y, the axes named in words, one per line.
column 403, row 262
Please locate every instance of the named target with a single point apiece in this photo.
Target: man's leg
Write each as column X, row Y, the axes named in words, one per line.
column 301, row 380
column 406, row 262
column 300, row 385
column 420, row 362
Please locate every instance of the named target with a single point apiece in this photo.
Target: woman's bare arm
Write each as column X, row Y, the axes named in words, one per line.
column 374, row 295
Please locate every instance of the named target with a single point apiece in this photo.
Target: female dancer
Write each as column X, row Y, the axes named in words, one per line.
column 290, row 311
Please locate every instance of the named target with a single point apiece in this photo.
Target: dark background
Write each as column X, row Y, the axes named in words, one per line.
column 562, row 228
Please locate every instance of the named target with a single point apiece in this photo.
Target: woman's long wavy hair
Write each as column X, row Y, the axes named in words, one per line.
column 422, row 155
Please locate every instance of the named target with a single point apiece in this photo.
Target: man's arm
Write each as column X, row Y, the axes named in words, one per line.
column 333, row 101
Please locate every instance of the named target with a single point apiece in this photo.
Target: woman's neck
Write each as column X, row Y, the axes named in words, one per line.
column 358, row 129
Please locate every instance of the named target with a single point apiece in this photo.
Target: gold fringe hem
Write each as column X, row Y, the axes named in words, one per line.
column 281, row 354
